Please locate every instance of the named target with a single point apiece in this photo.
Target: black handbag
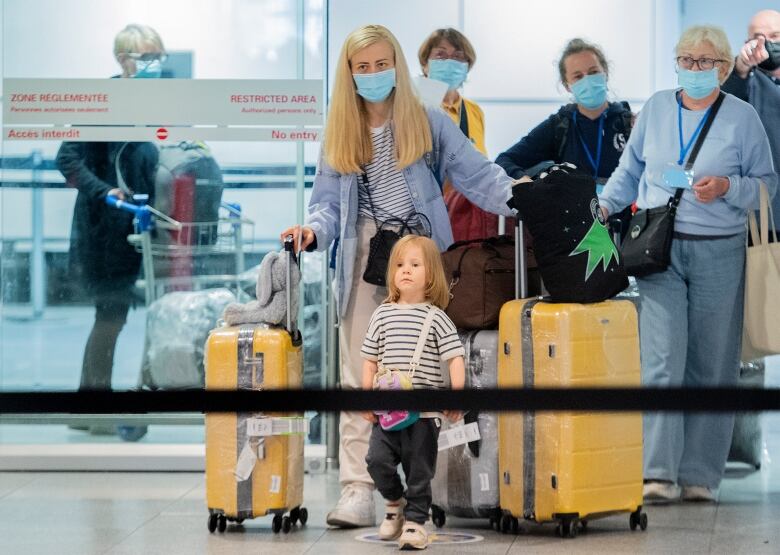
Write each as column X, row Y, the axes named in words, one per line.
column 380, row 247
column 381, row 244
column 647, row 248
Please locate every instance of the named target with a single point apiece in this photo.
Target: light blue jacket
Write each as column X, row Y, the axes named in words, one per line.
column 735, row 147
column 333, row 207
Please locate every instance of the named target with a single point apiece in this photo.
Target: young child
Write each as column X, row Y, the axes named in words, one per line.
column 417, row 284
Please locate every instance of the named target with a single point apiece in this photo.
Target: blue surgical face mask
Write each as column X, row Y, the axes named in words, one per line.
column 591, row 90
column 375, row 87
column 148, row 70
column 698, row 84
column 451, row 72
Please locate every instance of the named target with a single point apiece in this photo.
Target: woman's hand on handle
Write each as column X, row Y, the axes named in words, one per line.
column 303, row 236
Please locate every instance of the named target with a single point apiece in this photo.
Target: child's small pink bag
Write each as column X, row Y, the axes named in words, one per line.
column 397, row 380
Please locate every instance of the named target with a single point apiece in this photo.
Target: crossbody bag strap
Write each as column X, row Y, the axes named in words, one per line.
column 415, row 362
column 464, row 119
column 699, row 141
column 705, row 130
column 364, row 178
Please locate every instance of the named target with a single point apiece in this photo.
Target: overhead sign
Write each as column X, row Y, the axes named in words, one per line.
column 119, row 133
column 163, row 104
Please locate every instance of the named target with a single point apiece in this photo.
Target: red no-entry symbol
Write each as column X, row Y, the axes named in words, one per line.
column 162, row 133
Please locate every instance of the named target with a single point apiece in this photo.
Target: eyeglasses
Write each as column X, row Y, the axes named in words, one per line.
column 147, row 57
column 458, row 55
column 705, row 64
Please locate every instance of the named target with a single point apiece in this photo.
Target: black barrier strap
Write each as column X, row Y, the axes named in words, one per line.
column 515, row 399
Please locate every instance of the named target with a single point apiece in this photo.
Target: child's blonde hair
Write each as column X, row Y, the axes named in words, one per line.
column 347, row 144
column 437, row 291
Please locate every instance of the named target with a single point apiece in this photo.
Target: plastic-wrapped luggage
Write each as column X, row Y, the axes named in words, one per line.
column 254, row 462
column 747, row 444
column 466, row 480
column 177, row 325
column 569, row 467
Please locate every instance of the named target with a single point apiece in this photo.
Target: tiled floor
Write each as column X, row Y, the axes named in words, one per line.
column 150, row 513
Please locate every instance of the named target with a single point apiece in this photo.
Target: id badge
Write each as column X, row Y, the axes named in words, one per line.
column 600, row 183
column 677, row 177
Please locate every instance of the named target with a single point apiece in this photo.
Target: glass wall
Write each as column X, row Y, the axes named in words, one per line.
column 47, row 312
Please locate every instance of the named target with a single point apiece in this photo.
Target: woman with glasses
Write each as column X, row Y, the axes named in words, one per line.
column 448, row 56
column 100, row 255
column 590, row 133
column 691, row 313
column 383, row 158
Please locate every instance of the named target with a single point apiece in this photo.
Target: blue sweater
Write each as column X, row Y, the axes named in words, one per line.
column 735, row 147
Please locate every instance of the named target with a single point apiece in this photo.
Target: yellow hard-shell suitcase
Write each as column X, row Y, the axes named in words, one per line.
column 254, row 462
column 569, row 467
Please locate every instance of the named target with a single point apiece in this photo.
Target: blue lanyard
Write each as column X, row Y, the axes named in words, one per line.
column 684, row 149
column 595, row 163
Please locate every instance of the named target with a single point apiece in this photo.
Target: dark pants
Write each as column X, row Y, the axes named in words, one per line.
column 110, row 318
column 415, row 448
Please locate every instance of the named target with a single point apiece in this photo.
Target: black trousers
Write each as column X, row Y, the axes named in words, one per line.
column 415, row 448
column 110, row 318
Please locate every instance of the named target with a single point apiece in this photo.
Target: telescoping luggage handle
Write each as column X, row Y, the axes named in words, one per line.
column 289, row 248
column 521, row 265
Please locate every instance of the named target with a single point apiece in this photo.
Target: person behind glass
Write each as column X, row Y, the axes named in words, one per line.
column 448, row 56
column 690, row 317
column 590, row 133
column 377, row 162
column 100, row 255
column 417, row 286
column 756, row 79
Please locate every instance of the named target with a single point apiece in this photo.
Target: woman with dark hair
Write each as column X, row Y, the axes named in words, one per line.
column 590, row 133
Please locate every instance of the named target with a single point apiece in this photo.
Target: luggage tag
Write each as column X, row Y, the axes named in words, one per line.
column 459, row 435
column 676, row 177
column 246, row 463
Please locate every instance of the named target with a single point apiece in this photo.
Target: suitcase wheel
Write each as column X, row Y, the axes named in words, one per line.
column 568, row 528
column 222, row 524
column 212, row 523
column 276, row 524
column 638, row 518
column 299, row 514
column 438, row 516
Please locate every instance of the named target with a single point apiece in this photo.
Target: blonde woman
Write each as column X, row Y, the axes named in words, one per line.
column 383, row 158
column 691, row 313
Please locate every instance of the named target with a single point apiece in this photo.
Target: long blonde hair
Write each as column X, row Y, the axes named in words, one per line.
column 347, row 145
column 437, row 291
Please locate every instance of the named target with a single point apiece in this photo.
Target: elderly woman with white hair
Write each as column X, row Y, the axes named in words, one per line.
column 691, row 313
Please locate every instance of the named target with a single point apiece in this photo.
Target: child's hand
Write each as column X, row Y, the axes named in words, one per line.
column 370, row 416
column 453, row 415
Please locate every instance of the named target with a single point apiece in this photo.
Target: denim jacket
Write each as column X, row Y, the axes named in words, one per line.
column 333, row 207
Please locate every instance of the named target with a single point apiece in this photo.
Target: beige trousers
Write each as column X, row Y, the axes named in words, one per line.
column 354, row 430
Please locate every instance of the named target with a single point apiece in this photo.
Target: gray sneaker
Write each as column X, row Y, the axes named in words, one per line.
column 657, row 491
column 698, row 494
column 355, row 509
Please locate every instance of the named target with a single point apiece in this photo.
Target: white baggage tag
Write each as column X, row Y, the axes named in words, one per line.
column 484, row 481
column 458, row 435
column 276, row 484
column 259, row 427
column 246, row 463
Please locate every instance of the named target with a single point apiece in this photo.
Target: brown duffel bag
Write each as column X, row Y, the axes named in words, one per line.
column 481, row 275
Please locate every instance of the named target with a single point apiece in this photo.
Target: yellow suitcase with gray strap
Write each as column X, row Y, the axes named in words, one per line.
column 254, row 462
column 569, row 467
